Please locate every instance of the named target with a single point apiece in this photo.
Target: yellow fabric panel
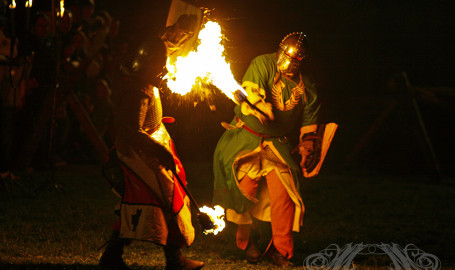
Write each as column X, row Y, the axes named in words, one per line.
column 184, row 222
column 152, row 226
column 256, row 166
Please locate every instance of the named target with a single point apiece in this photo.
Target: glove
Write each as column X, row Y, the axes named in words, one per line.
column 257, row 98
column 167, row 160
column 306, row 149
column 261, row 105
column 174, row 38
column 307, row 145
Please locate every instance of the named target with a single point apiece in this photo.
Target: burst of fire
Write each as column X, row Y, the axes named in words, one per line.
column 205, row 65
column 216, row 214
column 29, row 3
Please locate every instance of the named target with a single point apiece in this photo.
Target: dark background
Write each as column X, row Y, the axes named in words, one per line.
column 356, row 48
column 354, row 44
column 367, row 190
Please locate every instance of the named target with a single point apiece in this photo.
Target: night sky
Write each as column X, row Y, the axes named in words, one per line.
column 350, row 40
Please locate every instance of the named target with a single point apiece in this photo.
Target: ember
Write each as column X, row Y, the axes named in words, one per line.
column 217, row 216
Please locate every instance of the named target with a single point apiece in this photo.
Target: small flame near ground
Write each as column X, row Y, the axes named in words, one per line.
column 204, row 66
column 216, row 214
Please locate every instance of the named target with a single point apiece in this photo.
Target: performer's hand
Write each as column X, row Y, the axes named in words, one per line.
column 167, row 160
column 174, row 38
column 261, row 105
column 170, row 164
column 256, row 97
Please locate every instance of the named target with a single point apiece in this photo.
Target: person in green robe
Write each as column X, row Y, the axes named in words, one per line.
column 255, row 166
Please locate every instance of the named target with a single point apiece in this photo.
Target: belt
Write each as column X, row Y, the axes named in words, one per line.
column 252, row 131
column 241, row 124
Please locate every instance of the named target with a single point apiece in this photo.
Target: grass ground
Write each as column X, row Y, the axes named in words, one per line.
column 64, row 228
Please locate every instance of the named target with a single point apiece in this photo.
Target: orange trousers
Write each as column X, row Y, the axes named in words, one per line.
column 282, row 214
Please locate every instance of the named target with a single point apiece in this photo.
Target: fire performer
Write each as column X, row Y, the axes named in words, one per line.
column 256, row 176
column 153, row 207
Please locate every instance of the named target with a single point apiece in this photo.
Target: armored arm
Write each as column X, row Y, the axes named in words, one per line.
column 132, row 135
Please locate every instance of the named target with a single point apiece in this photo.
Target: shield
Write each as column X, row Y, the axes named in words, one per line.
column 325, row 133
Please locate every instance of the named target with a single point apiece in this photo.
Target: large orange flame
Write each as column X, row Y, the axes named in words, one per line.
column 205, row 65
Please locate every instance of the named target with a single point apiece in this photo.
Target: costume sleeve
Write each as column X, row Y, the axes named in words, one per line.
column 259, row 72
column 255, row 81
column 311, row 103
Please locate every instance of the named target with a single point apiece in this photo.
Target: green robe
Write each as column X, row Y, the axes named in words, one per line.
column 236, row 142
